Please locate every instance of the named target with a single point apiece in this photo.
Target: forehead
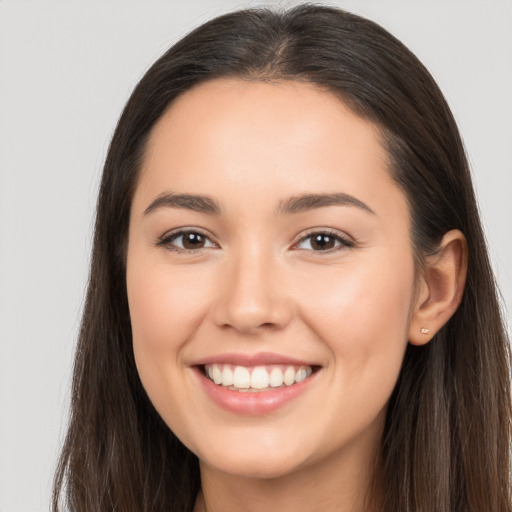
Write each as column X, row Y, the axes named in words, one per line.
column 296, row 112
column 269, row 139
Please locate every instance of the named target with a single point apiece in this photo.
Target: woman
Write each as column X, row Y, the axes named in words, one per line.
column 290, row 302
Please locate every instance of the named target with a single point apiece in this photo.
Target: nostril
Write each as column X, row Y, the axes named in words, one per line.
column 250, row 301
column 253, row 321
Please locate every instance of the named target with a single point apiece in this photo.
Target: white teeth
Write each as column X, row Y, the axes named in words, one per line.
column 289, row 376
column 259, row 378
column 227, row 376
column 243, row 378
column 217, row 374
column 301, row 374
column 276, row 377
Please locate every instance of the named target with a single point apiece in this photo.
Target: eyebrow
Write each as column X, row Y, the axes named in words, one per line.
column 302, row 203
column 293, row 205
column 196, row 203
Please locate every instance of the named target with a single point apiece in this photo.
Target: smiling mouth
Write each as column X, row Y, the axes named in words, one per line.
column 256, row 378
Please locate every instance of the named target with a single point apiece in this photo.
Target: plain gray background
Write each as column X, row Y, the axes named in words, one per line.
column 66, row 70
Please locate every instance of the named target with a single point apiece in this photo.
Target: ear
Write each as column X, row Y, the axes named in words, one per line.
column 440, row 288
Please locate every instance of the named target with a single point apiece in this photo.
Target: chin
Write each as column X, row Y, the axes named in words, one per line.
column 258, row 462
column 261, row 468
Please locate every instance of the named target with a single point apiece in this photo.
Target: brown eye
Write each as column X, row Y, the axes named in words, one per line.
column 193, row 241
column 184, row 241
column 323, row 242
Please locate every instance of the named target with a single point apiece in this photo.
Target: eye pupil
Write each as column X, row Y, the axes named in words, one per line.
column 322, row 242
column 193, row 241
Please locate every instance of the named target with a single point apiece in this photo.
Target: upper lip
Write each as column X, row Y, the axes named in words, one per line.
column 258, row 359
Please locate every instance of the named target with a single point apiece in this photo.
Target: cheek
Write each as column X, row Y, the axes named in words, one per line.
column 164, row 305
column 163, row 310
column 357, row 299
column 363, row 319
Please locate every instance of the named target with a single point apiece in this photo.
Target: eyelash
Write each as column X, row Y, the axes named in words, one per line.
column 344, row 243
column 167, row 241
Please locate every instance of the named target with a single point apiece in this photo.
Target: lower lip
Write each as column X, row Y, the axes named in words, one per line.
column 253, row 403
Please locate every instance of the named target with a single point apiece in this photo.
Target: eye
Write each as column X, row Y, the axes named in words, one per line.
column 186, row 241
column 323, row 241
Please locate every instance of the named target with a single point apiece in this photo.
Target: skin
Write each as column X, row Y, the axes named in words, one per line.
column 259, row 285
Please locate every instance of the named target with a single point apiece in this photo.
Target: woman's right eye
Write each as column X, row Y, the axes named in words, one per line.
column 186, row 241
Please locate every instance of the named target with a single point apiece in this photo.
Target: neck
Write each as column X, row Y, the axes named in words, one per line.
column 345, row 482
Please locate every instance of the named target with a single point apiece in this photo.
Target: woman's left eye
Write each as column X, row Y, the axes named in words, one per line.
column 186, row 241
column 323, row 242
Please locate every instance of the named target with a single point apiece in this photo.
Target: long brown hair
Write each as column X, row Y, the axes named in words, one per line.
column 447, row 438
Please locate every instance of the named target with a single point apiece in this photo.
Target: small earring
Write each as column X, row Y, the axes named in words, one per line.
column 424, row 330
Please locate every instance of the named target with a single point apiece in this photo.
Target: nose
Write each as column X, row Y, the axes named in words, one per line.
column 252, row 294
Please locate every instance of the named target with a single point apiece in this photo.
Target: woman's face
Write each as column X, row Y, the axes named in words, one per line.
column 269, row 248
